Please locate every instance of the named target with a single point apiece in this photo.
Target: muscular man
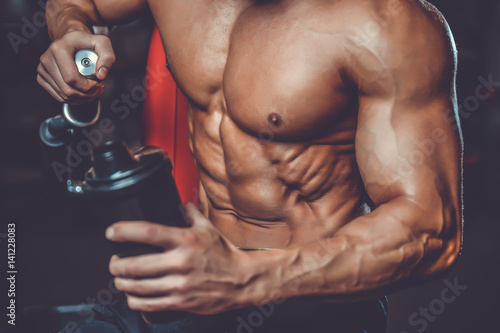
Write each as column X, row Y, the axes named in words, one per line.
column 323, row 130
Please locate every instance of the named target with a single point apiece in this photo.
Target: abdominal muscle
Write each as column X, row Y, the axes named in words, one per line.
column 263, row 193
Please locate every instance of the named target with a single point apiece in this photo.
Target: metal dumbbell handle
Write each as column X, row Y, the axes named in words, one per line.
column 85, row 61
column 55, row 131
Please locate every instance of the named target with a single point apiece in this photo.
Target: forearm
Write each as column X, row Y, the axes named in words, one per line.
column 371, row 254
column 68, row 15
column 64, row 16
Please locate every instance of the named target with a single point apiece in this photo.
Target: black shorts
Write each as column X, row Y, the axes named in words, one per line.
column 283, row 316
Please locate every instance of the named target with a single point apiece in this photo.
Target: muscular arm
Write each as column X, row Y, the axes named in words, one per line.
column 409, row 155
column 69, row 15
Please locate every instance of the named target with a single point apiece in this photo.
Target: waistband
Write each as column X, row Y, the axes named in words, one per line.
column 243, row 248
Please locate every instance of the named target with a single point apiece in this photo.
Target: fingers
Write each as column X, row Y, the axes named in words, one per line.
column 195, row 217
column 67, row 75
column 150, row 265
column 59, row 74
column 161, row 286
column 101, row 45
column 106, row 57
column 61, row 61
column 42, row 82
column 69, row 95
column 146, row 233
column 173, row 302
column 152, row 304
column 42, row 72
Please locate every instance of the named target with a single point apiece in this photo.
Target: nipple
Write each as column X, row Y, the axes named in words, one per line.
column 275, row 119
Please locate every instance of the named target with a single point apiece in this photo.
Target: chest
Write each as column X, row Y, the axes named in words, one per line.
column 278, row 76
column 195, row 36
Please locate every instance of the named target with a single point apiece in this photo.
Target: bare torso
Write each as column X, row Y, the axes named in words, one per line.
column 272, row 126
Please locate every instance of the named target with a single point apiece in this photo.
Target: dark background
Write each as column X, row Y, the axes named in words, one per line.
column 62, row 256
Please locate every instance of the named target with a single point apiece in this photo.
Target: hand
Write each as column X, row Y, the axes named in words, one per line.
column 58, row 74
column 200, row 271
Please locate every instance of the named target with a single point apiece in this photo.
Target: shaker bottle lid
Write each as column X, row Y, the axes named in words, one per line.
column 116, row 169
column 111, row 157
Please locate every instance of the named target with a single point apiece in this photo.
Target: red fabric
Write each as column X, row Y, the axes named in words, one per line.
column 165, row 120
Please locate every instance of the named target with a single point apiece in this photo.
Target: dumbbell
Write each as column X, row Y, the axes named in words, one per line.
column 57, row 131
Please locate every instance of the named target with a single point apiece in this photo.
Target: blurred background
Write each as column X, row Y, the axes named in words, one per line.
column 62, row 256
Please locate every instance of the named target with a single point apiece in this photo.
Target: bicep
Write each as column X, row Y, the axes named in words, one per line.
column 408, row 141
column 408, row 137
column 119, row 11
column 410, row 150
column 410, row 161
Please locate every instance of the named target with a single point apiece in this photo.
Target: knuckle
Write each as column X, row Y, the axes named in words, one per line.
column 133, row 304
column 103, row 40
column 131, row 269
column 118, row 230
column 183, row 286
column 71, row 79
column 137, row 289
column 43, row 59
column 190, row 237
column 56, row 46
column 112, row 58
column 113, row 269
column 57, row 97
column 99, row 91
column 184, row 263
column 148, row 307
column 118, row 284
column 89, row 87
column 68, row 93
column 108, row 59
column 106, row 44
column 151, row 231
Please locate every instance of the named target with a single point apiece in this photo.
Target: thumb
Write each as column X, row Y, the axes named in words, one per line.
column 194, row 217
column 106, row 56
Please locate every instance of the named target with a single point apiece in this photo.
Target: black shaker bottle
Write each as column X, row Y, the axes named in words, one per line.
column 123, row 185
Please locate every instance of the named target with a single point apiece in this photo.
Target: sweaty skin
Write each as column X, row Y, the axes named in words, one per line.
column 320, row 129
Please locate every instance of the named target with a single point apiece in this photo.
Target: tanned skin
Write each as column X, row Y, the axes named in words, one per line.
column 302, row 116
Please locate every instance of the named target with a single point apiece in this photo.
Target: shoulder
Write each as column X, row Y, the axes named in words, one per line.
column 392, row 18
column 406, row 41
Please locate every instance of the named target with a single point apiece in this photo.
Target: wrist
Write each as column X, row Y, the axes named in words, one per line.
column 66, row 22
column 264, row 276
column 74, row 26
